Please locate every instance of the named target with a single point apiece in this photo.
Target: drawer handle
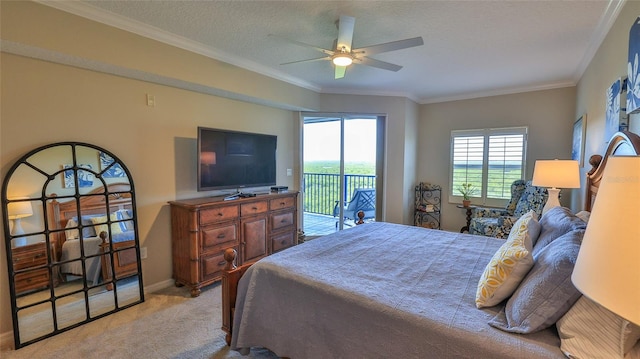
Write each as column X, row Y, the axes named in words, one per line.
column 254, row 208
column 222, row 263
column 220, row 214
column 221, row 235
column 284, row 221
column 282, row 204
column 40, row 255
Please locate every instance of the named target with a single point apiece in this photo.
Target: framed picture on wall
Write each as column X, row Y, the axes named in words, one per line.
column 85, row 178
column 633, row 72
column 616, row 114
column 579, row 132
column 110, row 170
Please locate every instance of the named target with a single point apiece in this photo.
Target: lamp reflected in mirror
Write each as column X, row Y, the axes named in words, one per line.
column 16, row 211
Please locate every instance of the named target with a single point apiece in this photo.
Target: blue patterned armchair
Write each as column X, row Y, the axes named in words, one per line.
column 496, row 222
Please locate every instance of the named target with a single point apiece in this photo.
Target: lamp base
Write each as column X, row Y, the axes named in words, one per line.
column 553, row 200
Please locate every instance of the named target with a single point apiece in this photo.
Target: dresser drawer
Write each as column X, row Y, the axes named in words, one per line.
column 32, row 255
column 218, row 214
column 31, row 280
column 283, row 241
column 215, row 236
column 282, row 203
column 211, row 266
column 253, row 208
column 281, row 220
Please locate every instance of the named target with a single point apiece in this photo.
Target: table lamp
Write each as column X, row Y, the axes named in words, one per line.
column 607, row 270
column 16, row 211
column 555, row 174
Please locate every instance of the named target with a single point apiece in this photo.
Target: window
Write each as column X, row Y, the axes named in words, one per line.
column 490, row 159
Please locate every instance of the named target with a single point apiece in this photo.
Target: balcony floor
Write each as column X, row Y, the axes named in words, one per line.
column 316, row 225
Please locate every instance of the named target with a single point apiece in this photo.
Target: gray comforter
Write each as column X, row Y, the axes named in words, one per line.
column 378, row 290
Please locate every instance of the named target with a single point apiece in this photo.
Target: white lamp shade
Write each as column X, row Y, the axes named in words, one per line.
column 556, row 174
column 19, row 209
column 608, row 266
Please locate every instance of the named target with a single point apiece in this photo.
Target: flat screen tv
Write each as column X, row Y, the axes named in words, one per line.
column 232, row 159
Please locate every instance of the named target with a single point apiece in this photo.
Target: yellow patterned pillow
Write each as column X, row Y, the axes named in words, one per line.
column 100, row 224
column 510, row 263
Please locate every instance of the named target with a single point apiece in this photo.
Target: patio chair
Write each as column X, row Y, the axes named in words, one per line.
column 497, row 222
column 363, row 199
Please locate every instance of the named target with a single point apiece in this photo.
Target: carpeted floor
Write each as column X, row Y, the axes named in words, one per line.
column 169, row 324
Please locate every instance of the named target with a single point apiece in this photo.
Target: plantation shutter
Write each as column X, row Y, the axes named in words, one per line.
column 468, row 159
column 489, row 159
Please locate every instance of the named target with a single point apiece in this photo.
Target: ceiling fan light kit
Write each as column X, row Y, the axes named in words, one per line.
column 344, row 55
column 342, row 59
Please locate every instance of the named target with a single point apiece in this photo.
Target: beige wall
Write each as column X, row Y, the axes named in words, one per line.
column 549, row 115
column 609, row 64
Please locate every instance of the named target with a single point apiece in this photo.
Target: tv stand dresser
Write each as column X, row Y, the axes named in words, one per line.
column 202, row 228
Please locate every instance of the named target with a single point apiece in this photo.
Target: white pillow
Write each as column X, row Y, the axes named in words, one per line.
column 584, row 215
column 589, row 330
column 71, row 233
column 510, row 264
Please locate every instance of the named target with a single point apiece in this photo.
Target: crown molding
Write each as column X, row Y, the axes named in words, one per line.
column 94, row 13
column 602, row 29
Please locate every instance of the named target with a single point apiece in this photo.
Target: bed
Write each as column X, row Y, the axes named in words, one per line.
column 382, row 290
column 63, row 217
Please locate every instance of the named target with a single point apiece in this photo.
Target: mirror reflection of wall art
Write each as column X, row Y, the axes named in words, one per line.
column 616, row 115
column 577, row 148
column 85, row 178
column 114, row 171
column 633, row 92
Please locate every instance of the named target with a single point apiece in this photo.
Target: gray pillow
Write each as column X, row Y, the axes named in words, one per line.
column 546, row 293
column 555, row 223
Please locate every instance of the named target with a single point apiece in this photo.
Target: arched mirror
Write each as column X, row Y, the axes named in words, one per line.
column 71, row 237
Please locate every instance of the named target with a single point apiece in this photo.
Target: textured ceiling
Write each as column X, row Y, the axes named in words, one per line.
column 471, row 48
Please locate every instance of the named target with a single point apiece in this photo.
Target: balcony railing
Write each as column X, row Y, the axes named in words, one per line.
column 322, row 190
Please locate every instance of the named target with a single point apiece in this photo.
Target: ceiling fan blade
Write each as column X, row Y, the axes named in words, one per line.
column 340, row 71
column 377, row 63
column 389, row 46
column 328, row 52
column 346, row 25
column 308, row 60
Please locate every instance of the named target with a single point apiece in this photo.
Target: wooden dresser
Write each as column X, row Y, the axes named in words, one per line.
column 202, row 228
column 31, row 260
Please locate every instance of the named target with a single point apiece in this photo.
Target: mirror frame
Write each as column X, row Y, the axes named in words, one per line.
column 109, row 249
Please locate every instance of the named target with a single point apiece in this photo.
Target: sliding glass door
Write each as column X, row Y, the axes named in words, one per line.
column 339, row 176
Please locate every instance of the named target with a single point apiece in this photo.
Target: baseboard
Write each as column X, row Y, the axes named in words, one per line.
column 158, row 286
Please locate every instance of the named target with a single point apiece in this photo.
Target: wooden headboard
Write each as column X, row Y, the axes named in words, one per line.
column 621, row 144
column 59, row 213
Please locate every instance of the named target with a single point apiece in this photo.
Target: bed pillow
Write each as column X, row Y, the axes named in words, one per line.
column 546, row 293
column 125, row 215
column 100, row 224
column 555, row 223
column 71, row 231
column 510, row 263
column 589, row 330
column 584, row 215
column 87, row 227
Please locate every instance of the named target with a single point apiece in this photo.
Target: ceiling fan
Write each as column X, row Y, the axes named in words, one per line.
column 343, row 55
